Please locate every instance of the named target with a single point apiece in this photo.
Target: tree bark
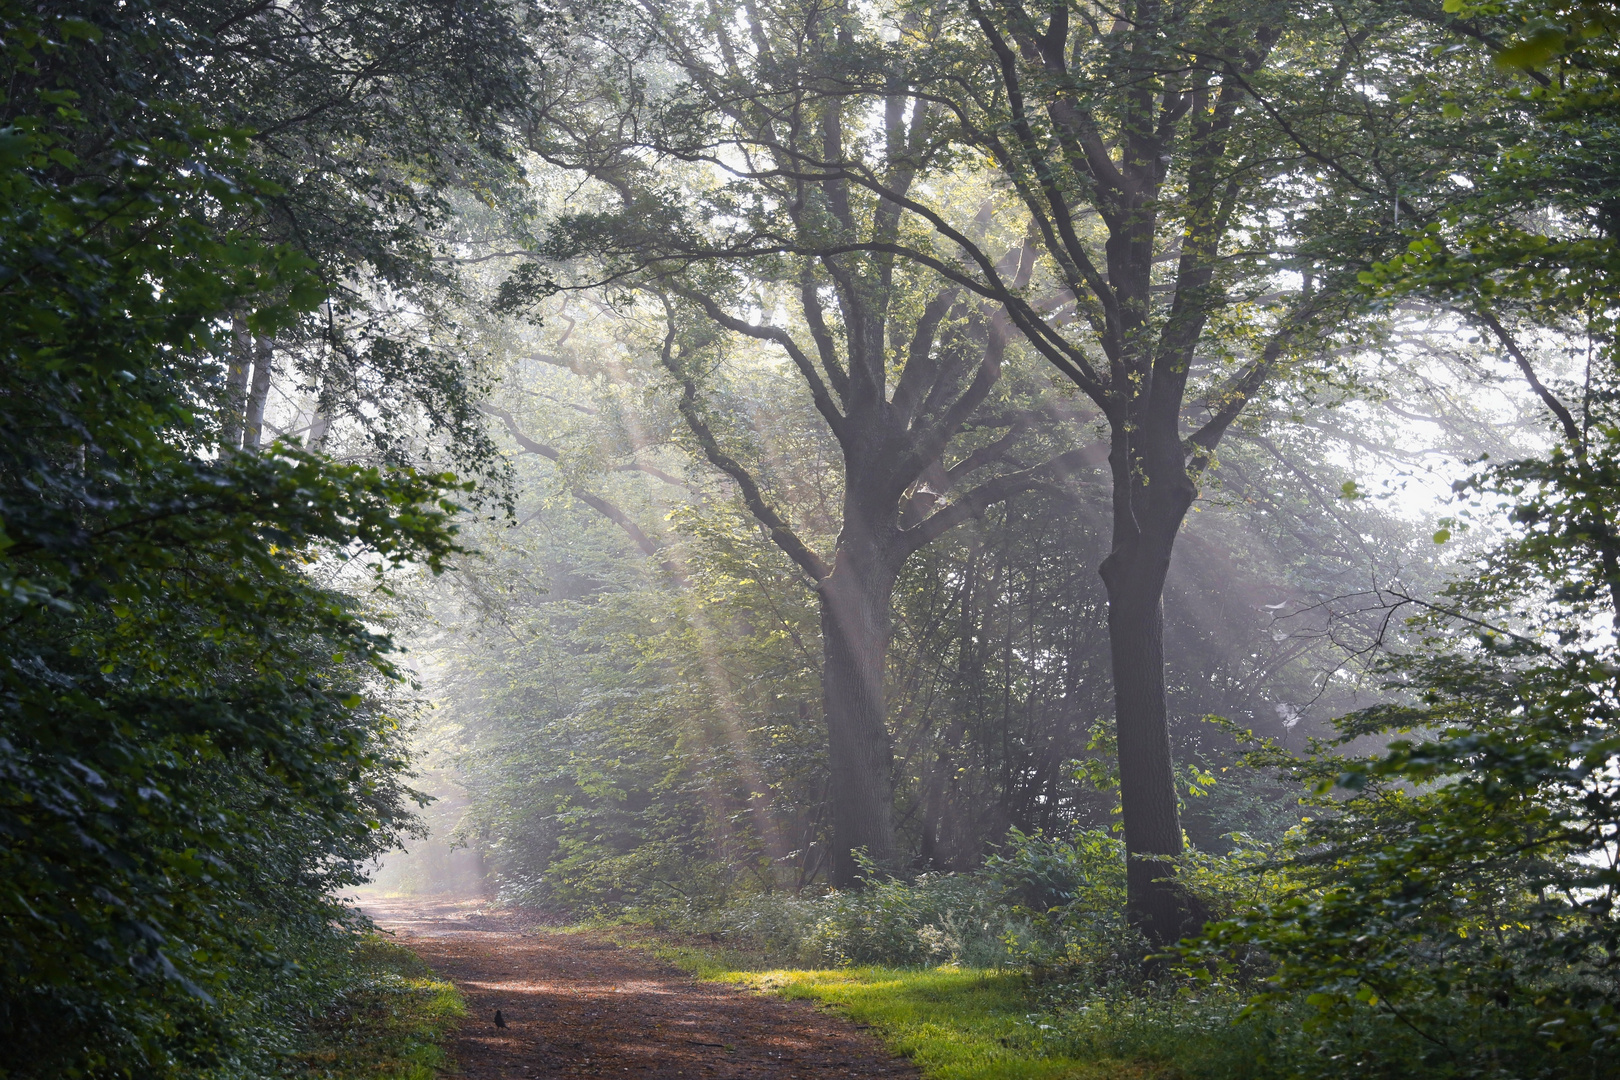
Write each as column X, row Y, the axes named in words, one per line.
column 856, row 625
column 1138, row 128
column 236, row 380
column 1134, row 579
column 887, row 445
column 1152, row 493
column 264, row 360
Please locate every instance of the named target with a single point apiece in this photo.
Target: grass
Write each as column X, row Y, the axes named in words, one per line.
column 954, row 1023
column 389, row 1024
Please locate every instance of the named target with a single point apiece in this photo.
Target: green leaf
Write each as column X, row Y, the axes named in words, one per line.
column 1531, row 52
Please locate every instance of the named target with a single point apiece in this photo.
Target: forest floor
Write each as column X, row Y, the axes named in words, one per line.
column 576, row 1003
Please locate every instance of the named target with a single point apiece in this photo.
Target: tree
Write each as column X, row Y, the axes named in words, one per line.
column 199, row 741
column 899, row 365
column 362, row 118
column 1153, row 149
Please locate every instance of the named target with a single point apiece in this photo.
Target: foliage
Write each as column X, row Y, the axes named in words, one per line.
column 1461, row 889
column 200, row 738
column 1452, row 909
column 998, row 1023
column 358, row 120
column 1042, row 905
column 614, row 758
column 993, row 1024
column 1460, row 885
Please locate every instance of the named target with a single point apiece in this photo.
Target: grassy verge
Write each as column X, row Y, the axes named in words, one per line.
column 388, row 1025
column 954, row 1023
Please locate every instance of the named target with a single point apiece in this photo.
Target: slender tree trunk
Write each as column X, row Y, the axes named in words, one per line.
column 935, row 853
column 264, row 360
column 236, row 379
column 928, row 852
column 320, row 417
column 319, row 424
column 856, row 623
column 941, row 831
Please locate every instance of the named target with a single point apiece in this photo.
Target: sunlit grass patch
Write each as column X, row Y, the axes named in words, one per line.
column 389, row 1025
column 954, row 1023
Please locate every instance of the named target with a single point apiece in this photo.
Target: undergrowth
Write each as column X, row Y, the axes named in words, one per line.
column 1027, row 969
column 961, row 1023
column 389, row 1023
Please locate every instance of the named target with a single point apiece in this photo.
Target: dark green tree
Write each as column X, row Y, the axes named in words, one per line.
column 199, row 742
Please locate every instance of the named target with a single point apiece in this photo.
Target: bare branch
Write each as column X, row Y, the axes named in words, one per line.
column 776, row 335
column 783, row 534
column 647, row 544
column 971, row 504
column 1566, row 420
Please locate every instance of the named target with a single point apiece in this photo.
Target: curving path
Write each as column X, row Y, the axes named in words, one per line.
column 576, row 1004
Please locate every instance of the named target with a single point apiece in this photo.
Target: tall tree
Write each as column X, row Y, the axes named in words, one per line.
column 1157, row 164
column 1149, row 148
column 899, row 364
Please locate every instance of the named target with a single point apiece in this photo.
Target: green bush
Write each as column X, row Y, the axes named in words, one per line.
column 200, row 740
column 1043, row 903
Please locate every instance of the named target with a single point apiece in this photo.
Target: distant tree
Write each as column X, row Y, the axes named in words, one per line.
column 361, row 117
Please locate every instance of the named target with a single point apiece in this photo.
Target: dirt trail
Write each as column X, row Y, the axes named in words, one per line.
column 576, row 1004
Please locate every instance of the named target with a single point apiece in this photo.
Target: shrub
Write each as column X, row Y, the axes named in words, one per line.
column 1052, row 905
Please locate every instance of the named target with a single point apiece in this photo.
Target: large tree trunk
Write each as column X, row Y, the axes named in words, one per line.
column 856, row 623
column 1146, row 770
column 1134, row 574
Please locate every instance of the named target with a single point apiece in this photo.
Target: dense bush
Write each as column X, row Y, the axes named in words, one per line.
column 1049, row 904
column 200, row 727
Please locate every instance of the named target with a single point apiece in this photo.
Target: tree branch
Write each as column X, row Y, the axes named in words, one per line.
column 753, row 498
column 973, row 503
column 1566, row 420
column 775, row 334
column 647, row 544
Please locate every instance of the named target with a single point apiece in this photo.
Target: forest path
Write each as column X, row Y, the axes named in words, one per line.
column 577, row 1004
